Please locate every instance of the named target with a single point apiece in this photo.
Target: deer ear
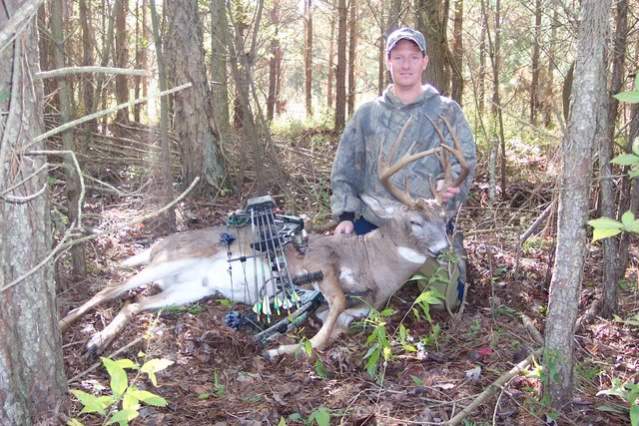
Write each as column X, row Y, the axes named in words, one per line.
column 383, row 211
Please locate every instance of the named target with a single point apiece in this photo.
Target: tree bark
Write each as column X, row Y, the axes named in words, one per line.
column 194, row 122
column 32, row 381
column 219, row 74
column 457, row 82
column 65, row 92
column 163, row 179
column 122, row 59
column 352, row 57
column 308, row 56
column 482, row 63
column 340, row 77
column 331, row 65
column 431, row 20
column 275, row 62
column 536, row 67
column 576, row 175
column 548, row 102
column 611, row 256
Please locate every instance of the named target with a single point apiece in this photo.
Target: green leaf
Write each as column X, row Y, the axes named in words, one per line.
column 153, row 366
column 119, row 380
column 387, row 312
column 282, row 422
column 634, row 415
column 431, row 297
column 600, row 234
column 320, row 369
column 74, row 422
column 91, row 403
column 127, row 363
column 628, row 218
column 633, row 173
column 129, row 401
column 635, row 143
column 321, row 416
column 625, row 159
column 149, row 398
column 418, row 381
column 631, row 97
column 608, row 408
column 123, row 417
column 605, row 223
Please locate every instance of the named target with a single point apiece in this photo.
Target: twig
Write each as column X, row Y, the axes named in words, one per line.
column 111, row 355
column 63, row 72
column 14, row 199
column 17, row 184
column 102, row 113
column 11, row 28
column 168, row 206
column 493, row 388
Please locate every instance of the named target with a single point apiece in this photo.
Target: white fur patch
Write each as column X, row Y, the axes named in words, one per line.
column 346, row 276
column 411, row 255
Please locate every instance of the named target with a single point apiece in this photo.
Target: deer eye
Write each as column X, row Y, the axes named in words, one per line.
column 412, row 222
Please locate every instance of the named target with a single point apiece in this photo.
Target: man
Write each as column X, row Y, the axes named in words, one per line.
column 378, row 123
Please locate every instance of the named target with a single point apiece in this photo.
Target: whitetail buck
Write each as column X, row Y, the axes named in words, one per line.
column 192, row 265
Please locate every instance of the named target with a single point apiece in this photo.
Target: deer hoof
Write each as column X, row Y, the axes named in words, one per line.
column 271, row 354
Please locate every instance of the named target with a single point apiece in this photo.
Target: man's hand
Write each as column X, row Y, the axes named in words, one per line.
column 450, row 193
column 344, row 227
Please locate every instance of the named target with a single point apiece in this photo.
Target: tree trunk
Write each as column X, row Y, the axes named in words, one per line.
column 352, row 57
column 457, row 82
column 162, row 177
column 331, row 65
column 122, row 59
column 548, row 102
column 141, row 40
column 194, row 122
column 432, row 19
column 534, row 85
column 577, row 149
column 107, row 41
column 88, row 58
column 482, row 63
column 611, row 246
column 32, row 382
column 65, row 92
column 275, row 62
column 219, row 74
column 308, row 56
column 340, row 78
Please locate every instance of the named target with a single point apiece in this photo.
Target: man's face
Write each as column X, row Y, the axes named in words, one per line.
column 406, row 63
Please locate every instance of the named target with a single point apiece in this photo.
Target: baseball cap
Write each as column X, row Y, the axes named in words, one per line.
column 406, row 34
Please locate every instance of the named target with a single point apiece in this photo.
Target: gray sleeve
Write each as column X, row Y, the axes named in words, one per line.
column 348, row 169
column 464, row 134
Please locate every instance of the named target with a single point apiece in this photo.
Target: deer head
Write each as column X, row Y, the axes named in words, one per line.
column 424, row 219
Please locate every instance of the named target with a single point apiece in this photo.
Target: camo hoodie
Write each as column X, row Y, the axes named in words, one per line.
column 378, row 123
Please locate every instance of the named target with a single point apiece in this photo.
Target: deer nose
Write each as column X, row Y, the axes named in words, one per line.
column 439, row 248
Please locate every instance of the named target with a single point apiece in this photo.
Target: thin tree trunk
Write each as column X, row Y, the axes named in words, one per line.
column 457, row 88
column 274, row 63
column 431, row 19
column 611, row 246
column 141, row 39
column 340, row 78
column 219, row 74
column 536, row 67
column 163, row 179
column 576, row 175
column 331, row 65
column 122, row 59
column 32, row 382
column 308, row 56
column 66, row 113
column 107, row 41
column 549, row 101
column 482, row 62
column 352, row 57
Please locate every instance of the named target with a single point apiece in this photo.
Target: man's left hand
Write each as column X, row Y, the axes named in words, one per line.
column 450, row 193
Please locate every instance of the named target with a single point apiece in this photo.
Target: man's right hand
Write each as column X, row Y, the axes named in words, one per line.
column 344, row 227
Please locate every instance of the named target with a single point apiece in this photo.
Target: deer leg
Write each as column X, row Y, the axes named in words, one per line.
column 334, row 295
column 102, row 296
column 102, row 339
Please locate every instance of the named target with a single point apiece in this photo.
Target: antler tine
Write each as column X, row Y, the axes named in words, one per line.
column 457, row 152
column 385, row 171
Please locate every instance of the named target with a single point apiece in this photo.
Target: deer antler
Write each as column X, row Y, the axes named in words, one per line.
column 385, row 171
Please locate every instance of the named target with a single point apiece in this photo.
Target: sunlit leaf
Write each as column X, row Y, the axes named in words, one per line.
column 153, row 366
column 123, row 417
column 91, row 403
column 119, row 380
column 321, row 416
column 625, row 159
column 600, row 234
column 127, row 363
column 627, row 218
column 634, row 415
column 74, row 422
column 631, row 97
column 149, row 398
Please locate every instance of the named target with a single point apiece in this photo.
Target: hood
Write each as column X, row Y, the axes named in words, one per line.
column 389, row 99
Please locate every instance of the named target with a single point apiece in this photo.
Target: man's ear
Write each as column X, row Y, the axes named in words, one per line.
column 385, row 212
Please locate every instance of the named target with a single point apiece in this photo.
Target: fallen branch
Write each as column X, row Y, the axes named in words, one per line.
column 493, row 388
column 74, row 123
column 168, row 206
column 63, row 72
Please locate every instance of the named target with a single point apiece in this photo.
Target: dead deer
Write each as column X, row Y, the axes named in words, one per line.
column 191, row 265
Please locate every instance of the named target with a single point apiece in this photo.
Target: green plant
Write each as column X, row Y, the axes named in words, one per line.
column 379, row 347
column 320, row 416
column 122, row 391
column 629, row 392
column 217, row 388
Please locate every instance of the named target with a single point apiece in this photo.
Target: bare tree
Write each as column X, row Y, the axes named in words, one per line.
column 352, row 56
column 122, row 58
column 275, row 63
column 308, row 56
column 577, row 147
column 432, row 20
column 536, row 66
column 193, row 109
column 457, row 80
column 219, row 74
column 32, row 381
column 340, row 77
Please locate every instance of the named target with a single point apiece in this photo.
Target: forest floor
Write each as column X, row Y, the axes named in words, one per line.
column 219, row 376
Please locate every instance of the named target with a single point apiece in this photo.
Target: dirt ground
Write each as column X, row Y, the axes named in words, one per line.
column 219, row 376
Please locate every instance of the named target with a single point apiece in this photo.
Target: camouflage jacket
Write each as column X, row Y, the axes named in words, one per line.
column 378, row 123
